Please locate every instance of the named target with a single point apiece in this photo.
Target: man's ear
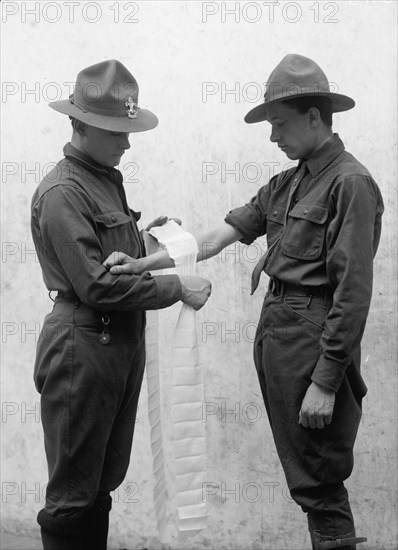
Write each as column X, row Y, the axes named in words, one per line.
column 314, row 116
column 79, row 127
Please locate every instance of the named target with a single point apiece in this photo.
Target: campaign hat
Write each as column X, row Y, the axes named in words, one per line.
column 294, row 77
column 105, row 95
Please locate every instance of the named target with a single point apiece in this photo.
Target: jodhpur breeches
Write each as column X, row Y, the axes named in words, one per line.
column 315, row 461
column 89, row 395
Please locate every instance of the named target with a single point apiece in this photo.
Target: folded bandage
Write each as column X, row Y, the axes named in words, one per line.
column 187, row 400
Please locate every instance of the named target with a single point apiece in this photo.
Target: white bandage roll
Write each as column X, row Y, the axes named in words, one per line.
column 187, row 397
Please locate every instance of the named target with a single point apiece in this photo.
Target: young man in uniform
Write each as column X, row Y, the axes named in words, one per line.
column 323, row 222
column 91, row 353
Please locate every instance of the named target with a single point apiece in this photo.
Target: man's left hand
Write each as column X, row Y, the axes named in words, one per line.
column 161, row 220
column 317, row 407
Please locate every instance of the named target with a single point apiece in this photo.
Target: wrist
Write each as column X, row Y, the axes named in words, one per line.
column 322, row 388
column 184, row 290
column 143, row 265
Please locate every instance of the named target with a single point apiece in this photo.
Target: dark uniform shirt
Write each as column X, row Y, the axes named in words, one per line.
column 332, row 231
column 79, row 216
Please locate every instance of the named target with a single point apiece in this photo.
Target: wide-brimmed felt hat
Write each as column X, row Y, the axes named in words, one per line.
column 106, row 96
column 297, row 76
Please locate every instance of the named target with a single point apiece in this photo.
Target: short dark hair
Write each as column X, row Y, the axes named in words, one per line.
column 304, row 104
column 74, row 121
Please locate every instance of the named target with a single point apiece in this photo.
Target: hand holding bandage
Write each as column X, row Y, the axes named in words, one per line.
column 195, row 290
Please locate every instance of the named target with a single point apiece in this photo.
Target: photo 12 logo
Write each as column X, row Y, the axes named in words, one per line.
column 12, row 412
column 269, row 12
column 23, row 172
column 35, row 491
column 249, row 492
column 227, row 333
column 249, row 413
column 70, row 12
column 251, row 92
column 242, row 172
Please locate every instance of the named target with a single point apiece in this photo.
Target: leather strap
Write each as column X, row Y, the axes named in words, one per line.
column 278, row 288
column 339, row 543
column 69, row 296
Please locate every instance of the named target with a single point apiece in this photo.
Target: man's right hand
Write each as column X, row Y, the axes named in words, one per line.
column 195, row 291
column 119, row 263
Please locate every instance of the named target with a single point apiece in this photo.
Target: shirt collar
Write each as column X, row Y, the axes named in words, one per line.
column 325, row 155
column 87, row 162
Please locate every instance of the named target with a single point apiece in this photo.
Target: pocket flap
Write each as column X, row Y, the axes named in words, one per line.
column 311, row 212
column 112, row 219
column 276, row 213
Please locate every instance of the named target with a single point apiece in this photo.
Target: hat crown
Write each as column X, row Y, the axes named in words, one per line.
column 106, row 96
column 293, row 76
column 106, row 88
column 297, row 76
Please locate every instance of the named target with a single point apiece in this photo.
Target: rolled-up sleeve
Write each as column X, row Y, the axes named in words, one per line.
column 64, row 224
column 351, row 243
column 251, row 219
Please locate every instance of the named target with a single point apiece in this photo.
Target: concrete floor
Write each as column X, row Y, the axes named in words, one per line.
column 19, row 542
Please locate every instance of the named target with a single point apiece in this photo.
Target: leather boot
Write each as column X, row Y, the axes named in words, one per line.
column 344, row 542
column 96, row 521
column 61, row 534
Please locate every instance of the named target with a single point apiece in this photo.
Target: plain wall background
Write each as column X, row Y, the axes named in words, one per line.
column 176, row 52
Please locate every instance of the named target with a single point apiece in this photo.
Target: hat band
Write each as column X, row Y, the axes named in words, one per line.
column 74, row 102
column 131, row 108
column 294, row 90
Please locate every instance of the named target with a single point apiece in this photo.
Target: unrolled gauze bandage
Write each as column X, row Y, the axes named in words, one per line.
column 187, row 400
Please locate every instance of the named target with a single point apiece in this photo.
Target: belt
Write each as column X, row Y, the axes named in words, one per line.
column 69, row 296
column 278, row 288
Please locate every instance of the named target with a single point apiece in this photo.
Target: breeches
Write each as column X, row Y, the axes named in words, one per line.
column 89, row 396
column 315, row 461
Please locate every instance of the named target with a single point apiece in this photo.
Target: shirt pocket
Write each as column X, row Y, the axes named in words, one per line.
column 304, row 235
column 275, row 221
column 115, row 233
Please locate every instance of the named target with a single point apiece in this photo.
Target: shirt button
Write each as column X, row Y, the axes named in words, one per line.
column 113, row 219
column 275, row 212
column 305, row 211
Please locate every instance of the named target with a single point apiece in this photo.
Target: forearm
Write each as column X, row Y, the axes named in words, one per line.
column 210, row 244
column 158, row 260
column 213, row 241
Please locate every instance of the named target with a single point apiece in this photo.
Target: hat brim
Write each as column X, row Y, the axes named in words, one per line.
column 339, row 103
column 146, row 120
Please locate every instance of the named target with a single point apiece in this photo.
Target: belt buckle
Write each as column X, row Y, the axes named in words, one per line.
column 318, row 292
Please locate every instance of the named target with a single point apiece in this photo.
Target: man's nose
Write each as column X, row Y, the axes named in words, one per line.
column 274, row 136
column 125, row 144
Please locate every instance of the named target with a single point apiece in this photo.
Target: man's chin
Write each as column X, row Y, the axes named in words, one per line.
column 115, row 161
column 291, row 155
